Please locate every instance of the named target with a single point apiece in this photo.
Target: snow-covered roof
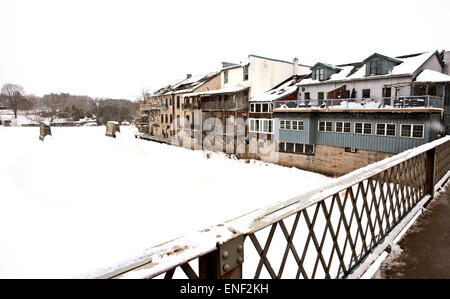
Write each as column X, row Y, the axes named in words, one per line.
column 432, row 76
column 277, row 93
column 218, row 91
column 357, row 71
column 186, row 85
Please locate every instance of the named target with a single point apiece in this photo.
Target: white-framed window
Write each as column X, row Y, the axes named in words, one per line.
column 343, row 127
column 325, row 126
column 260, row 108
column 295, row 125
column 385, row 130
column 261, row 125
column 412, row 131
column 363, row 128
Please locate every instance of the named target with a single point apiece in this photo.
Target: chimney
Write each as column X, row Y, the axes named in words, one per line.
column 295, row 70
column 188, row 76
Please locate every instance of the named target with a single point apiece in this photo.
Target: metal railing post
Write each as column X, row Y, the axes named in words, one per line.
column 429, row 172
column 225, row 262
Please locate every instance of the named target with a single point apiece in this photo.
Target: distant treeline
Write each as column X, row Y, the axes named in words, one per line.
column 69, row 106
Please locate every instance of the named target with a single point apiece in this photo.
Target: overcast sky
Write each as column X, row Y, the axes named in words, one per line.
column 116, row 48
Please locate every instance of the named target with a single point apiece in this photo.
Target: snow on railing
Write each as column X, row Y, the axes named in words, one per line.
column 326, row 233
column 368, row 103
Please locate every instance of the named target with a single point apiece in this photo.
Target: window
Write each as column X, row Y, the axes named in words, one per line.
column 167, row 118
column 260, row 108
column 320, row 95
column 385, row 130
column 171, row 118
column 375, row 67
column 178, row 102
column 162, row 118
column 319, row 74
column 366, row 93
column 225, row 77
column 178, row 121
column 363, row 128
column 246, row 96
column 325, row 126
column 296, row 148
column 343, row 127
column 307, row 96
column 412, row 131
column 296, row 125
column 245, row 71
column 261, row 125
column 387, row 92
column 288, row 125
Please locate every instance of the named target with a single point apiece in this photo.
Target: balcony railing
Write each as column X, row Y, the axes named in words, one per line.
column 370, row 103
column 152, row 106
column 190, row 106
column 224, row 105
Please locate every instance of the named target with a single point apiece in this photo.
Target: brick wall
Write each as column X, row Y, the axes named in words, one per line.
column 332, row 161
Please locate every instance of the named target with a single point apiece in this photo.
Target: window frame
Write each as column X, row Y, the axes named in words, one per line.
column 363, row 128
column 259, row 125
column 377, row 65
column 245, row 73
column 343, row 127
column 325, row 126
column 385, row 130
column 225, row 77
column 411, row 131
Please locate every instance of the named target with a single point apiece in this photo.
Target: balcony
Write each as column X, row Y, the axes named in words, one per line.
column 152, row 106
column 190, row 106
column 380, row 103
column 231, row 105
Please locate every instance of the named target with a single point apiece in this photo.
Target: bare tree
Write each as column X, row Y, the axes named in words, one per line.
column 14, row 95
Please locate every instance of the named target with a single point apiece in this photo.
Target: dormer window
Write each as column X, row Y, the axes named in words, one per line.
column 376, row 67
column 322, row 72
column 378, row 64
column 319, row 74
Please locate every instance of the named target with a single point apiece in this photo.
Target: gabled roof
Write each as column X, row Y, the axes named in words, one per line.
column 381, row 56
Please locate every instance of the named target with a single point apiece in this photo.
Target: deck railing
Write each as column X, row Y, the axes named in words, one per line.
column 152, row 106
column 330, row 232
column 369, row 103
column 224, row 105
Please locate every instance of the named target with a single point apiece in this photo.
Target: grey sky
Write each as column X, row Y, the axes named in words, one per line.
column 116, row 48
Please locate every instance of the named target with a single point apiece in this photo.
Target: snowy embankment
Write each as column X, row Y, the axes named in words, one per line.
column 80, row 201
